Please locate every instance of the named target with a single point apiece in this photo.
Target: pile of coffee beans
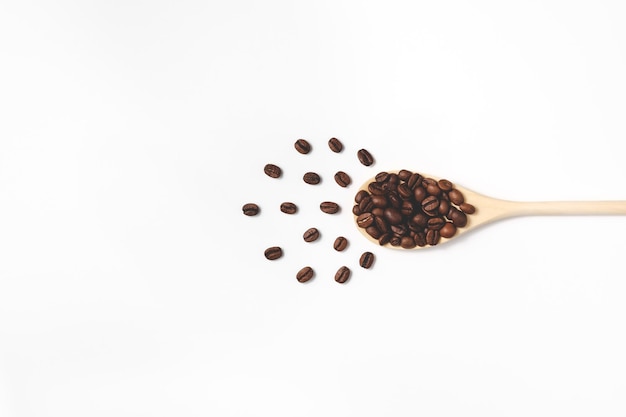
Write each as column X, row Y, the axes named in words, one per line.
column 406, row 209
column 312, row 234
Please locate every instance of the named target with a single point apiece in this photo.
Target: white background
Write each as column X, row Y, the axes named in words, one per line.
column 132, row 132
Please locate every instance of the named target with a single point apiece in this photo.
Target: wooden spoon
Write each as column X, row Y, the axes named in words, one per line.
column 489, row 209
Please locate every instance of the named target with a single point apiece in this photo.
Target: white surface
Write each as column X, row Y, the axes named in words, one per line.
column 132, row 133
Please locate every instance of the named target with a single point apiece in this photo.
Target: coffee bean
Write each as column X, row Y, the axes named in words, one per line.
column 273, row 253
column 458, row 217
column 376, row 188
column 404, row 174
column 395, row 241
column 381, row 224
column 329, row 207
column 379, row 201
column 392, row 215
column 436, row 223
column 407, row 242
column 382, row 176
column 342, row 275
column 335, row 145
column 415, row 180
column 341, row 243
column 302, row 146
column 430, row 205
column 342, row 179
column 467, row 208
column 445, row 185
column 448, row 230
column 366, row 260
column 407, row 208
column 305, row 274
column 456, row 197
column 384, row 239
column 432, row 237
column 311, row 178
column 420, row 239
column 404, row 191
column 365, row 157
column 377, row 211
column 360, row 195
column 374, row 232
column 311, row 235
column 288, row 208
column 272, row 170
column 444, row 207
column 250, row 209
column 399, row 229
column 365, row 220
column 366, row 204
column 419, row 194
column 433, row 189
column 356, row 210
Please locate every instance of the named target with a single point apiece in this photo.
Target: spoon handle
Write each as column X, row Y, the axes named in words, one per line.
column 569, row 208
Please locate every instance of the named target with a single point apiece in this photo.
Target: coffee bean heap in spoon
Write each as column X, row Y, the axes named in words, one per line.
column 342, row 179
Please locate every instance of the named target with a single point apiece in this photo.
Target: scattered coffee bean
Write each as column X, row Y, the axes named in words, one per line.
column 408, row 210
column 250, row 209
column 311, row 235
column 367, row 260
column 342, row 275
column 272, row 170
column 335, row 145
column 302, row 146
column 311, row 178
column 273, row 253
column 288, row 208
column 329, row 207
column 342, row 179
column 365, row 157
column 305, row 274
column 341, row 243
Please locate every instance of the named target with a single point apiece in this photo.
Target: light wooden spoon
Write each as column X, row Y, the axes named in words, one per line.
column 489, row 209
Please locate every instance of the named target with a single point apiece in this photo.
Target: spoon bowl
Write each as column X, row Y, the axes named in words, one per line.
column 489, row 209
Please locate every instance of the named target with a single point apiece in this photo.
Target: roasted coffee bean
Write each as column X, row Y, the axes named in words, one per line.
column 273, row 253
column 415, row 180
column 272, row 170
column 305, row 274
column 433, row 189
column 457, row 216
column 288, row 208
column 341, row 243
column 399, row 229
column 382, row 176
column 250, row 209
column 329, row 207
column 392, row 215
column 394, row 200
column 395, row 241
column 360, row 195
column 407, row 242
column 445, row 185
column 420, row 239
column 436, row 223
column 378, row 211
column 335, row 145
column 404, row 191
column 365, row 157
column 407, row 208
column 404, row 174
column 430, row 205
column 365, row 220
column 342, row 275
column 366, row 260
column 374, row 232
column 311, row 235
column 393, row 179
column 379, row 201
column 342, row 179
column 467, row 208
column 419, row 194
column 448, row 230
column 311, row 178
column 444, row 207
column 420, row 219
column 456, row 196
column 302, row 146
column 432, row 237
column 356, row 210
column 366, row 204
column 384, row 239
column 376, row 188
column 381, row 224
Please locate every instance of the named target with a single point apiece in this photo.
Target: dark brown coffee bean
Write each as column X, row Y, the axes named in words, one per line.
column 384, row 239
column 250, row 209
column 393, row 179
column 365, row 220
column 436, row 223
column 456, row 196
column 404, row 191
column 376, row 188
column 335, row 145
column 448, row 230
column 342, row 275
column 302, row 146
column 432, row 237
column 444, row 207
column 382, row 176
column 305, row 274
column 433, row 189
column 379, row 201
column 374, row 232
column 273, row 253
column 407, row 208
column 392, row 215
column 394, row 200
column 366, row 204
column 341, row 243
column 342, row 179
column 356, row 210
column 430, row 205
column 404, row 174
column 445, row 185
column 381, row 224
column 419, row 194
column 420, row 219
column 329, row 207
column 415, row 180
column 288, row 208
column 467, row 208
column 399, row 229
column 378, row 211
column 420, row 239
column 311, row 178
column 366, row 260
column 365, row 157
column 360, row 196
column 395, row 241
column 457, row 216
column 311, row 235
column 272, row 170
column 407, row 242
